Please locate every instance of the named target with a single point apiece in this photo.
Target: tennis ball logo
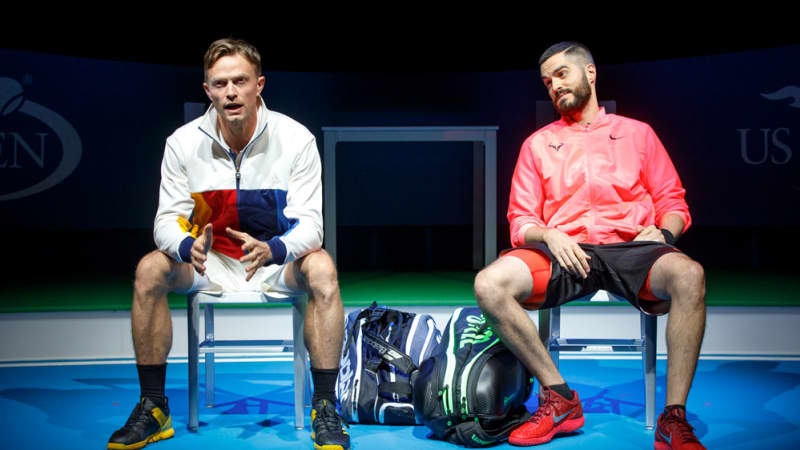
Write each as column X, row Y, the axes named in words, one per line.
column 13, row 143
column 10, row 96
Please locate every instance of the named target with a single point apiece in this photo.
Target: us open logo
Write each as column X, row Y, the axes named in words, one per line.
column 775, row 141
column 38, row 147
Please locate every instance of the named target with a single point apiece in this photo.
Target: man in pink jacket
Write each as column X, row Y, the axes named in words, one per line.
column 595, row 204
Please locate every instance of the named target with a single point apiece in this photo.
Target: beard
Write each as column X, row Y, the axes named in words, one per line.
column 580, row 97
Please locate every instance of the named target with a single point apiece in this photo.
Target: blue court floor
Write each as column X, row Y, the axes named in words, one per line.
column 734, row 404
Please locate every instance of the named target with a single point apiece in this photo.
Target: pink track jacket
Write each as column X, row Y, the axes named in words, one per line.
column 596, row 183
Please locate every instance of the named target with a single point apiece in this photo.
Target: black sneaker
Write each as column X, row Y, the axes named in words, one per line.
column 327, row 431
column 147, row 423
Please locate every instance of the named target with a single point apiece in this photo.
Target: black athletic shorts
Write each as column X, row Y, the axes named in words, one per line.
column 620, row 269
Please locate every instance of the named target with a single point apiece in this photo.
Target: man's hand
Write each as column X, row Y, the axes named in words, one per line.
column 651, row 233
column 567, row 252
column 257, row 252
column 200, row 249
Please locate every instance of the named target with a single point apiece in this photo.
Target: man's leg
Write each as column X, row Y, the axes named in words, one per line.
column 323, row 331
column 151, row 324
column 151, row 327
column 500, row 288
column 315, row 274
column 682, row 280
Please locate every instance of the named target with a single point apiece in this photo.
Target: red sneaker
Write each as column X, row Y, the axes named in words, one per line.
column 555, row 415
column 674, row 432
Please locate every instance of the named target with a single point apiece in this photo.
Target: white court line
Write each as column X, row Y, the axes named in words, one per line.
column 133, row 361
column 288, row 358
column 707, row 357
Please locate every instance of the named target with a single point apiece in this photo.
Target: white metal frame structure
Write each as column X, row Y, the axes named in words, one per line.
column 484, row 151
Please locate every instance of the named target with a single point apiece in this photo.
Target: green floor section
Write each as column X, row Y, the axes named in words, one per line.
column 407, row 288
column 724, row 288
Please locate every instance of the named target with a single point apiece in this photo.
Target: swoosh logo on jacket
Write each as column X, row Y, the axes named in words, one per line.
column 556, row 148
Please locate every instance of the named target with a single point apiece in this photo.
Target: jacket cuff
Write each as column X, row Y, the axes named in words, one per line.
column 521, row 233
column 185, row 249
column 278, row 249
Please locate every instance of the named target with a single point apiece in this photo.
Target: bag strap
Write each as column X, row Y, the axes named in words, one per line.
column 390, row 353
column 471, row 434
column 400, row 388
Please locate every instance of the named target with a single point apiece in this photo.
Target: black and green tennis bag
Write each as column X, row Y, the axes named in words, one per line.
column 472, row 391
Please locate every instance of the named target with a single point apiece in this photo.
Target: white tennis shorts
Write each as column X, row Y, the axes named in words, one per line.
column 226, row 274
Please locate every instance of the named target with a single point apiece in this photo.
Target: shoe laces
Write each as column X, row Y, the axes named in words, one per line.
column 545, row 409
column 139, row 415
column 329, row 419
column 682, row 428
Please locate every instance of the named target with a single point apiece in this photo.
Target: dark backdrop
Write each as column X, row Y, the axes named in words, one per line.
column 730, row 123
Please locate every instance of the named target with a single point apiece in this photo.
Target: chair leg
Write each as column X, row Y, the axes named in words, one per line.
column 555, row 334
column 192, row 313
column 549, row 329
column 300, row 358
column 209, row 322
column 549, row 321
column 308, row 391
column 650, row 327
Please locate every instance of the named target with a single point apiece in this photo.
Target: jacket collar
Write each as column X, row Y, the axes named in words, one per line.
column 208, row 124
column 598, row 121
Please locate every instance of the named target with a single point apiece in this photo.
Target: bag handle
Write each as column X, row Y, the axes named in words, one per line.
column 372, row 313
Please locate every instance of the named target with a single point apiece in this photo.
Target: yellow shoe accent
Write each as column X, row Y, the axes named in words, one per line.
column 325, row 447
column 328, row 447
column 315, row 414
column 165, row 432
column 165, row 421
column 155, row 437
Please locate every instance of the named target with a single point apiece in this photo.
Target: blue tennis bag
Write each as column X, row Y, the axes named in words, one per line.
column 381, row 348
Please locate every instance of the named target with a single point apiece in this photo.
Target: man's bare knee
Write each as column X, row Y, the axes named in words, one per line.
column 320, row 273
column 152, row 275
column 491, row 288
column 682, row 280
column 690, row 282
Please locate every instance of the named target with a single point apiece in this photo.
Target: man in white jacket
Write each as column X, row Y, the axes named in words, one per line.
column 240, row 208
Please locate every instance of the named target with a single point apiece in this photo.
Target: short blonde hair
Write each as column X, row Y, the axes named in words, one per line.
column 227, row 47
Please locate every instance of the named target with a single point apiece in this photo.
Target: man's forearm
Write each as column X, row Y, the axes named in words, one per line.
column 534, row 235
column 671, row 222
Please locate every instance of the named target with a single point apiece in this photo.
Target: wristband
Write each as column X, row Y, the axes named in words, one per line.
column 669, row 238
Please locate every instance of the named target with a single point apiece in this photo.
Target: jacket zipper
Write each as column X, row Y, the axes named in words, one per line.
column 589, row 183
column 237, row 174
